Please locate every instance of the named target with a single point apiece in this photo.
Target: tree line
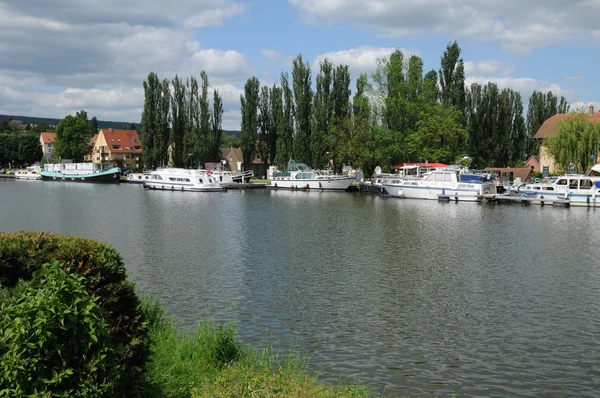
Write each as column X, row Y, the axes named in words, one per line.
column 399, row 113
column 177, row 118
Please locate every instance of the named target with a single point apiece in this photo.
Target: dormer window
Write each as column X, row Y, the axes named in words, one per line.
column 127, row 147
column 112, row 140
column 119, row 140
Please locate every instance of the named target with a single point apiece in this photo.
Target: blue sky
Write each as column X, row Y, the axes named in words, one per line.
column 58, row 58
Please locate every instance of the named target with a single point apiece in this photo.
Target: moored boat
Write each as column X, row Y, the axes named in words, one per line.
column 175, row 179
column 81, row 172
column 137, row 178
column 300, row 176
column 29, row 173
column 451, row 183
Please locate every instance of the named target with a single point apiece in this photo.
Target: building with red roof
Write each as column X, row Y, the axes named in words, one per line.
column 121, row 148
column 548, row 129
column 47, row 141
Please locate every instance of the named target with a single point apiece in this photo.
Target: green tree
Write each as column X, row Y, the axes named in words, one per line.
column 265, row 120
column 576, row 141
column 323, row 114
column 303, row 94
column 191, row 139
column 216, row 126
column 82, row 115
column 541, row 108
column 72, row 139
column 285, row 126
column 94, row 125
column 179, row 113
column 150, row 135
column 361, row 112
column 439, row 136
column 342, row 123
column 430, row 93
column 250, row 120
column 205, row 127
column 452, row 78
column 277, row 113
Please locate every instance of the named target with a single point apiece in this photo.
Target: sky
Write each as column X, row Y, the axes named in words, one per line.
column 61, row 56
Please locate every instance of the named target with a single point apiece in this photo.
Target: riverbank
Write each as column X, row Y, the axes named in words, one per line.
column 212, row 363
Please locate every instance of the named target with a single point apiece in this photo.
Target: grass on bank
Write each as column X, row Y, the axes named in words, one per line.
column 212, row 363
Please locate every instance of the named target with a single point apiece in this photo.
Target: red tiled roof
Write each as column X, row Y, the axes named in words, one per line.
column 547, row 129
column 94, row 139
column 127, row 139
column 534, row 158
column 434, row 165
column 48, row 137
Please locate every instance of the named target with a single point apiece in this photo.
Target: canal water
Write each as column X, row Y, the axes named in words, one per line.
column 404, row 296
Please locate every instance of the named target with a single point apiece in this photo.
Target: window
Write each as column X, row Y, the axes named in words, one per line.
column 585, row 184
column 200, row 181
column 573, row 183
column 439, row 177
column 562, row 181
column 447, row 178
column 429, row 177
column 116, row 147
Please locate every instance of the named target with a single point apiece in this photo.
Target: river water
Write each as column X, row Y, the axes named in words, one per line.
column 404, row 296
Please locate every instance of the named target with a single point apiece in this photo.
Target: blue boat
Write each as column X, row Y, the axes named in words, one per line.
column 81, row 172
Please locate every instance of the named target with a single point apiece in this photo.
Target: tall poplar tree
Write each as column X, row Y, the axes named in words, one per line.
column 216, row 122
column 205, row 128
column 277, row 114
column 452, row 78
column 541, row 107
column 265, row 124
column 323, row 113
column 303, row 94
column 285, row 125
column 342, row 124
column 150, row 120
column 179, row 112
column 163, row 131
column 250, row 122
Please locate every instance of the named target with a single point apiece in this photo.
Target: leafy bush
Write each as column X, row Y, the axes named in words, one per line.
column 23, row 254
column 54, row 340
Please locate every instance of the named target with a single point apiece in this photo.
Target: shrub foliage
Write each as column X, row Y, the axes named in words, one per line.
column 54, row 340
column 22, row 259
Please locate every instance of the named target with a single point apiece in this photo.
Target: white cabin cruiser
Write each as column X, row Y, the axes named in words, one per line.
column 451, row 183
column 174, row 179
column 29, row 173
column 570, row 189
column 300, row 176
column 137, row 178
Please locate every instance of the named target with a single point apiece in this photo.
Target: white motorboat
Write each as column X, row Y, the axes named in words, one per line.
column 29, row 173
column 228, row 177
column 452, row 183
column 300, row 176
column 174, row 179
column 570, row 189
column 137, row 178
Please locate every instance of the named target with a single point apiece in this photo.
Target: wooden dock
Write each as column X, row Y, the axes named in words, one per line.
column 7, row 176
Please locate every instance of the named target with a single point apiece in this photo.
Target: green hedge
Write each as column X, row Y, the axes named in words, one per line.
column 22, row 257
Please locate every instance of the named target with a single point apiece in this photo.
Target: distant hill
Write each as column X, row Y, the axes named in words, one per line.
column 103, row 124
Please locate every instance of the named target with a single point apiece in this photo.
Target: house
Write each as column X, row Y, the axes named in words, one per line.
column 534, row 163
column 47, row 141
column 121, row 148
column 548, row 129
column 233, row 157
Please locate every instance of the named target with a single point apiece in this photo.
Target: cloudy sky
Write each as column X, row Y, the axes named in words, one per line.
column 60, row 56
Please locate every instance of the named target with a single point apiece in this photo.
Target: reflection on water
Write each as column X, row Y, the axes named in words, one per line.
column 406, row 296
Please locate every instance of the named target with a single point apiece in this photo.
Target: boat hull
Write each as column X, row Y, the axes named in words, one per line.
column 31, row 177
column 166, row 186
column 554, row 199
column 462, row 194
column 111, row 176
column 329, row 184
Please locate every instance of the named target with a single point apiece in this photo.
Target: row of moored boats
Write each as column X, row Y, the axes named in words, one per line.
column 452, row 183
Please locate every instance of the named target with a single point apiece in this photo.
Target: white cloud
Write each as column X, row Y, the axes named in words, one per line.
column 69, row 55
column 488, row 67
column 519, row 25
column 584, row 107
column 361, row 59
